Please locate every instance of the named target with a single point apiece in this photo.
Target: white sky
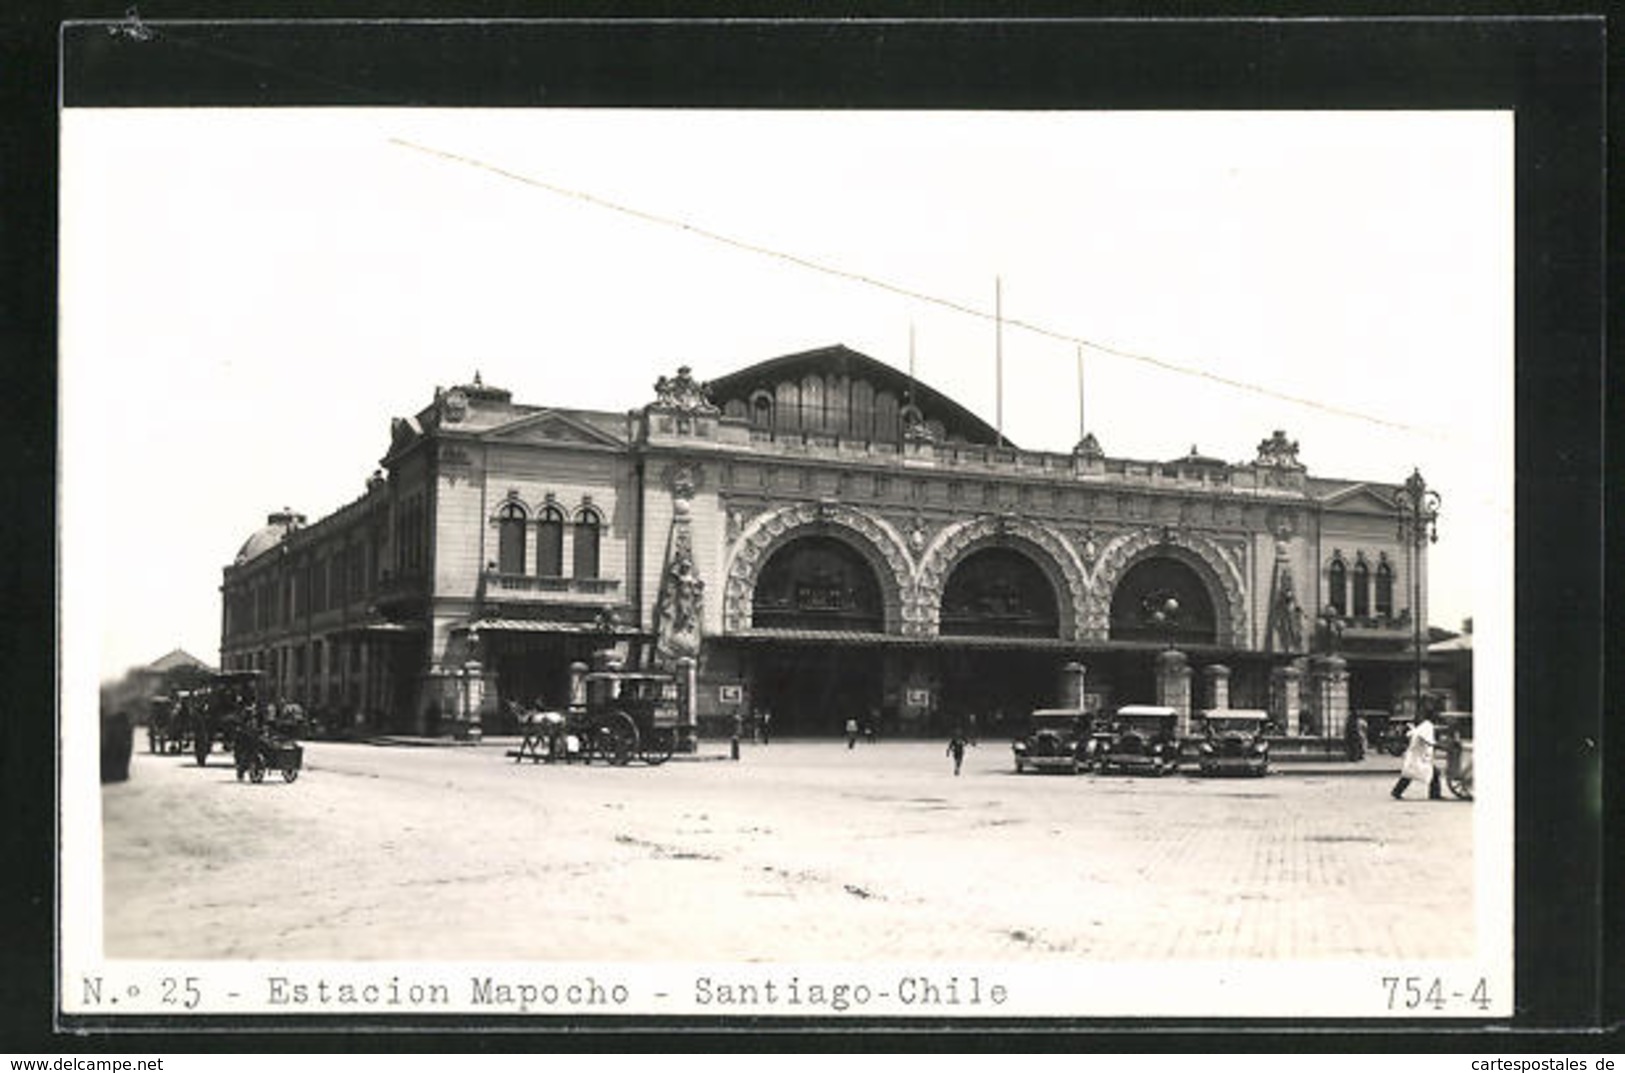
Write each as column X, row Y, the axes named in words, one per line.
column 248, row 297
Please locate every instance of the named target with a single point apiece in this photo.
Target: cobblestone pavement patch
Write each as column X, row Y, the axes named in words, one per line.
column 800, row 851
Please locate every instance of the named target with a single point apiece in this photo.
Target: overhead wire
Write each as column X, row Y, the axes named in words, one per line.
column 901, row 290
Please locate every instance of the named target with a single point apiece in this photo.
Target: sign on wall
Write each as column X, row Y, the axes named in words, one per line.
column 731, row 694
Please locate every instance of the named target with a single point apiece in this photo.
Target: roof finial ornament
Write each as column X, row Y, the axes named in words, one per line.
column 1279, row 451
column 683, row 392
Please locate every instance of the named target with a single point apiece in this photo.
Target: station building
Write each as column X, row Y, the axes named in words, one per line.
column 822, row 537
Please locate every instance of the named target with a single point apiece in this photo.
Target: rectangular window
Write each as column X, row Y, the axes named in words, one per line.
column 586, row 547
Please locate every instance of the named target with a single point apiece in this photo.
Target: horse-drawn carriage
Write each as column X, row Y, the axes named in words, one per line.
column 168, row 724
column 217, row 710
column 626, row 715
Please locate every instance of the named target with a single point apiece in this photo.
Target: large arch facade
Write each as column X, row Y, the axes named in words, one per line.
column 1219, row 572
column 879, row 545
column 1053, row 555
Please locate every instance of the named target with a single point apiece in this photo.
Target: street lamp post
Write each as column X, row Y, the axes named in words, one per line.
column 1418, row 507
column 1166, row 616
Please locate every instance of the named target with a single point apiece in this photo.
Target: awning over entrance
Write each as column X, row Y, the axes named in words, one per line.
column 949, row 642
column 376, row 629
column 553, row 626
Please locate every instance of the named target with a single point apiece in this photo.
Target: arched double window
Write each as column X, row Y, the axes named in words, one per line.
column 586, row 544
column 511, row 539
column 1337, row 587
column 1362, row 588
column 1385, row 588
column 550, row 543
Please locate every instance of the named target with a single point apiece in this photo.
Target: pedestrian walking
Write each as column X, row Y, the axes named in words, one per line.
column 851, row 733
column 1418, row 761
column 956, row 749
column 1354, row 738
column 767, row 725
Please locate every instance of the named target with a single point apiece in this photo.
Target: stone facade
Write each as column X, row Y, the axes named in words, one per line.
column 824, row 537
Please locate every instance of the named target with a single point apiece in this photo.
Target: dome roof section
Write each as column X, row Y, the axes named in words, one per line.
column 276, row 528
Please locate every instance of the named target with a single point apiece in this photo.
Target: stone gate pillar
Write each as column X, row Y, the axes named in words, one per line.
column 473, row 698
column 1174, row 687
column 1284, row 687
column 1330, row 684
column 1070, row 693
column 1217, row 679
column 687, row 671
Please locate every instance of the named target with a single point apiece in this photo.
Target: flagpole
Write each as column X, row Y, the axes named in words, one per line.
column 1083, row 426
column 998, row 351
column 911, row 363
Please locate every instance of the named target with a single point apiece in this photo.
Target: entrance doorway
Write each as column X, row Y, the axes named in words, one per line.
column 999, row 687
column 815, row 689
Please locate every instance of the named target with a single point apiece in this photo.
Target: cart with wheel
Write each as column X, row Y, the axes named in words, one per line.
column 261, row 749
column 1454, row 745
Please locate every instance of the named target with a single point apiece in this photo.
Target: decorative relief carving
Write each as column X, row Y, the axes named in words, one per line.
column 453, row 406
column 683, row 478
column 1056, row 559
column 916, row 534
column 683, row 393
column 1212, row 560
column 1278, row 451
column 875, row 539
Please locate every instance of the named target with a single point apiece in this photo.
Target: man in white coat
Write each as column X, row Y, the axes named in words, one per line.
column 1418, row 762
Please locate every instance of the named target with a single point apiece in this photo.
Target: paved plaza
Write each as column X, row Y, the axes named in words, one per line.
column 803, row 850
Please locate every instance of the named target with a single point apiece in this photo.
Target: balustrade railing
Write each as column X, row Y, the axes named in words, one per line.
column 541, row 585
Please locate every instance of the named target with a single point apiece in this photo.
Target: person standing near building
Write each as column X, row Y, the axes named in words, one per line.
column 956, row 749
column 767, row 725
column 1418, row 761
column 851, row 732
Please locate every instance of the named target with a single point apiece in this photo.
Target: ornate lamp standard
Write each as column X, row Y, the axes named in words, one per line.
column 1165, row 613
column 1418, row 507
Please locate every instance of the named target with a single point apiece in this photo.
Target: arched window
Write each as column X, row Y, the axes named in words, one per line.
column 1337, row 587
column 999, row 590
column 550, row 544
column 817, row 583
column 1385, row 588
column 761, row 409
column 586, row 544
column 1362, row 589
column 511, row 539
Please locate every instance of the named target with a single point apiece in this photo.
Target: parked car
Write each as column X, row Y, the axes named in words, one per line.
column 1141, row 738
column 1233, row 742
column 1053, row 741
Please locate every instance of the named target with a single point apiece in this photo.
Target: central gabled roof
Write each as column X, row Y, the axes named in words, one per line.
column 842, row 360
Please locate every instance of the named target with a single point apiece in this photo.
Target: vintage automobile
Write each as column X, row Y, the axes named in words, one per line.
column 1053, row 741
column 1232, row 742
column 1139, row 738
column 1453, row 738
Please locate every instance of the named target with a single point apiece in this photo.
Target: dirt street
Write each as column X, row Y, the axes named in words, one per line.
column 800, row 851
